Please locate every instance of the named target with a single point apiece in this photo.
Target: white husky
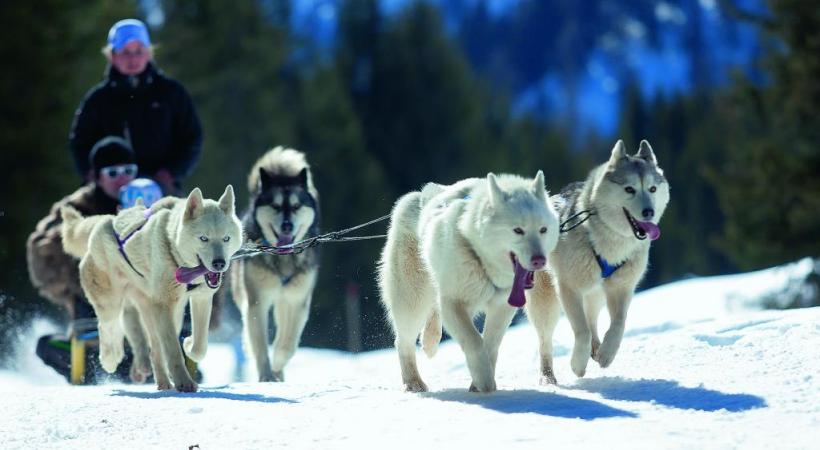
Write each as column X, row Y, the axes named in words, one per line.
column 140, row 268
column 602, row 259
column 454, row 251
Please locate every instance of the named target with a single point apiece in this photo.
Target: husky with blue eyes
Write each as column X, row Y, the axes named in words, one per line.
column 601, row 260
column 284, row 209
column 140, row 268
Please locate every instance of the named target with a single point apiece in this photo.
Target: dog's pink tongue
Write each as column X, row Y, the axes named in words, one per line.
column 517, row 298
column 284, row 240
column 651, row 229
column 185, row 275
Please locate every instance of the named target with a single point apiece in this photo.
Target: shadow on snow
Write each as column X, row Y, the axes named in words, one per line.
column 531, row 401
column 669, row 393
column 213, row 392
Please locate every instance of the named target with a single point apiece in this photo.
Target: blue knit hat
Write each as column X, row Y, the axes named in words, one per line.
column 128, row 30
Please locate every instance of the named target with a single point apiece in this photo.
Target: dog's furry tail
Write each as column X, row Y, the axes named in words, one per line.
column 76, row 230
column 431, row 334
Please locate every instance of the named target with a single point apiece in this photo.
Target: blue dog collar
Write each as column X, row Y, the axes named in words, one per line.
column 607, row 269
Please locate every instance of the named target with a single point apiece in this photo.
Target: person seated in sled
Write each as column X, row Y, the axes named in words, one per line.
column 55, row 274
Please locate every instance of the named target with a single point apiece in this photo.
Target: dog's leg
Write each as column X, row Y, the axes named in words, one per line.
column 594, row 301
column 290, row 321
column 196, row 345
column 459, row 323
column 408, row 296
column 618, row 299
column 581, row 351
column 107, row 303
column 431, row 335
column 405, row 286
column 147, row 314
column 165, row 329
column 407, row 322
column 255, row 316
column 544, row 310
column 141, row 365
column 496, row 322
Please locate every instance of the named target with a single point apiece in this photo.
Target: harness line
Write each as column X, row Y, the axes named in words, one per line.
column 298, row 247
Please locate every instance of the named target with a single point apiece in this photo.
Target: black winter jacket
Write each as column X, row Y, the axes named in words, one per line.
column 157, row 112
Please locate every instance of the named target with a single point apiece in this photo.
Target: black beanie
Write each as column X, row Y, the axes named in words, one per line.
column 110, row 151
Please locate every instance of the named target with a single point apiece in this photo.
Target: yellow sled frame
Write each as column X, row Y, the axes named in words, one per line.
column 78, row 361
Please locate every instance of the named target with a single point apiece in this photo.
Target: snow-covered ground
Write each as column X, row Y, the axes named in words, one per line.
column 700, row 367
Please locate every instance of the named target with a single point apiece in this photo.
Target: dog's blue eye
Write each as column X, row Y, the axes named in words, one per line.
column 629, row 190
column 518, row 230
column 226, row 239
column 653, row 189
column 543, row 230
column 203, row 238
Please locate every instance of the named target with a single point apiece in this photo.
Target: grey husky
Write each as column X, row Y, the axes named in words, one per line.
column 602, row 259
column 284, row 209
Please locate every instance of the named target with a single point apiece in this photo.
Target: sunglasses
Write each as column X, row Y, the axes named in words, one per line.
column 115, row 171
column 132, row 53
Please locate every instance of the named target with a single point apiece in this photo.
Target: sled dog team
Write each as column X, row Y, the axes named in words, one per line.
column 481, row 245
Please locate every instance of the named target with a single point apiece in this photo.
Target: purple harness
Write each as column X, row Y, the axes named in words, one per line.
column 121, row 242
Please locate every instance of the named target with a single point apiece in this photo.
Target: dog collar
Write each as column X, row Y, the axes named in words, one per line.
column 607, row 269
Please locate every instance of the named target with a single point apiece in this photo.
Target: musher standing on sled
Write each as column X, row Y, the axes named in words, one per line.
column 138, row 102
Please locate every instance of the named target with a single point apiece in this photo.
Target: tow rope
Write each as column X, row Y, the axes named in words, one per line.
column 251, row 249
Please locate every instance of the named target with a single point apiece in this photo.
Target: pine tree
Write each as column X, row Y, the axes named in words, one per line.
column 424, row 118
column 769, row 187
column 233, row 63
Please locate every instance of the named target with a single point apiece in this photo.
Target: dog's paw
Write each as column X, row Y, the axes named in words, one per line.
column 609, row 348
column 196, row 355
column 110, row 356
column 547, row 378
column 415, row 386
column 278, row 375
column 186, row 386
column 138, row 374
column 268, row 376
column 605, row 356
column 596, row 344
column 580, row 358
column 483, row 387
column 164, row 385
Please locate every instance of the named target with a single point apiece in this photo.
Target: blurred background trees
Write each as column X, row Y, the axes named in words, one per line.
column 384, row 96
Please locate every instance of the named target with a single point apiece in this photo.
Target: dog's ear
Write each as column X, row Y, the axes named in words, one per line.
column 496, row 194
column 302, row 177
column 265, row 180
column 645, row 152
column 618, row 152
column 538, row 186
column 226, row 202
column 193, row 205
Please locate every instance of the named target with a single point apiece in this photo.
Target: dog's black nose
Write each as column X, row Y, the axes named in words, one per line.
column 538, row 261
column 648, row 213
column 287, row 227
column 219, row 264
